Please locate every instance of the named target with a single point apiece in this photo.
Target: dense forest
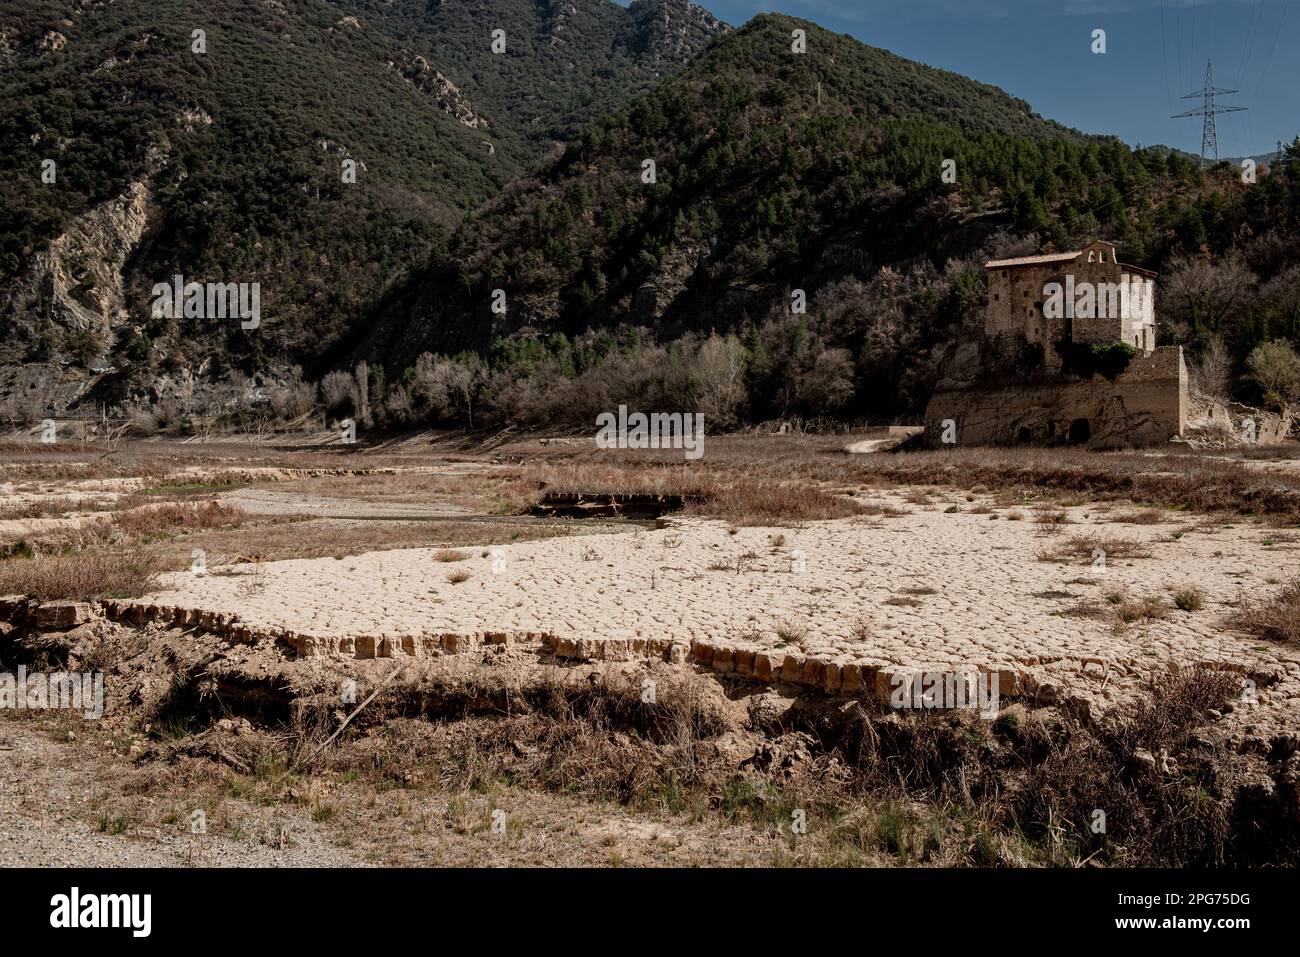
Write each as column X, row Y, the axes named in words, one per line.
column 241, row 146
column 729, row 226
column 778, row 173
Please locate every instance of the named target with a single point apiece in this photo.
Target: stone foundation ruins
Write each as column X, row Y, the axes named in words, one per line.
column 1144, row 405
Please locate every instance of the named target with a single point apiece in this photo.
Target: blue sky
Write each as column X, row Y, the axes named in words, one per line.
column 1039, row 50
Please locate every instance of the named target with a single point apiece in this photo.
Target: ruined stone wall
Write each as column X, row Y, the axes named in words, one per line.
column 1146, row 405
column 1157, row 385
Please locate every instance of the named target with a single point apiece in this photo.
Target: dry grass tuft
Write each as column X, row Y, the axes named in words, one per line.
column 1087, row 545
column 175, row 516
column 1133, row 610
column 1277, row 619
column 1146, row 516
column 1189, row 599
column 85, row 575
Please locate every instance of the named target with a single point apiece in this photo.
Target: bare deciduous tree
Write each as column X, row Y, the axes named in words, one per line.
column 1206, row 293
column 1212, row 374
column 719, row 368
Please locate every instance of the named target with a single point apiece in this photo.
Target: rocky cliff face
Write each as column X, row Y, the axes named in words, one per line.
column 669, row 31
column 77, row 283
column 8, row 45
column 417, row 71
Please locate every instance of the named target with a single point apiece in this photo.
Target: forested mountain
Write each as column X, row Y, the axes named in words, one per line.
column 624, row 205
column 778, row 172
column 566, row 62
column 220, row 156
column 758, row 150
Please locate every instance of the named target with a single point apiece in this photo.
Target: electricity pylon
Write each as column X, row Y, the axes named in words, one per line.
column 1208, row 110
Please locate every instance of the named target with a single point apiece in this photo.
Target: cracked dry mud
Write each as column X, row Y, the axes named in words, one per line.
column 845, row 601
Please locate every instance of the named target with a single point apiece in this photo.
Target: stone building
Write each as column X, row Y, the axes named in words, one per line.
column 1083, row 296
column 1059, row 302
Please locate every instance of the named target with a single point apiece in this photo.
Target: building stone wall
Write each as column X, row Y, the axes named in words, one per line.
column 1015, row 307
column 1124, row 301
column 1146, row 404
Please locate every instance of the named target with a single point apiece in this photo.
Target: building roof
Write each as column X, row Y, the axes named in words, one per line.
column 1034, row 260
column 1065, row 257
column 1139, row 270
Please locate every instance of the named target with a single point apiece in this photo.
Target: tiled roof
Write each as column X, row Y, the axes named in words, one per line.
column 1034, row 260
column 1067, row 257
column 1129, row 267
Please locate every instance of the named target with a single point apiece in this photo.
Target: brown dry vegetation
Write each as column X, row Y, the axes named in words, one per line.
column 736, row 498
column 1191, row 481
column 124, row 528
column 106, row 557
column 53, row 507
column 95, row 573
column 875, row 786
column 175, row 516
column 1086, row 545
column 1276, row 618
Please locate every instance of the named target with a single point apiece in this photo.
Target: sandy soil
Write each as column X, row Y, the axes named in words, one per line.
column 926, row 590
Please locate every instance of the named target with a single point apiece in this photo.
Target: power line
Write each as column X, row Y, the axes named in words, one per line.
column 1269, row 58
column 1178, row 32
column 1164, row 54
column 1252, row 31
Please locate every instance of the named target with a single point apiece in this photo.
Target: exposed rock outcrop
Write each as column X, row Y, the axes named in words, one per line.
column 77, row 281
column 1213, row 423
column 669, row 31
column 417, row 71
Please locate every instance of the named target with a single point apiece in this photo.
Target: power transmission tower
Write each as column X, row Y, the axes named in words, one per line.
column 1209, row 135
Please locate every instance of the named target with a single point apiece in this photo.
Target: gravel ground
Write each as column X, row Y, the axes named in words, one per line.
column 47, row 790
